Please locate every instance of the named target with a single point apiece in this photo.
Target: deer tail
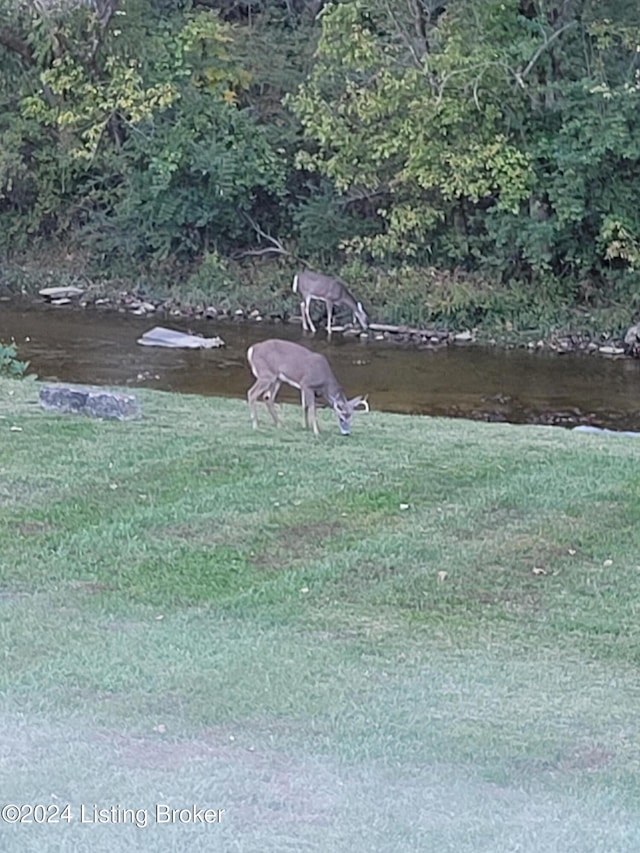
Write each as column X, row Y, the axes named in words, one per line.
column 294, row 286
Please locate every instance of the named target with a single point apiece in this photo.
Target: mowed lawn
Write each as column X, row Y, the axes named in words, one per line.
column 423, row 637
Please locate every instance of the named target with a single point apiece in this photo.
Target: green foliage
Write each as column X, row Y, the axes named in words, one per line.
column 10, row 365
column 505, row 140
column 187, row 181
column 151, row 152
column 324, row 223
column 380, row 123
column 498, row 138
column 212, row 280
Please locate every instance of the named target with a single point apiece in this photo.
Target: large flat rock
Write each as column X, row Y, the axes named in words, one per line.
column 159, row 336
column 53, row 293
column 89, row 400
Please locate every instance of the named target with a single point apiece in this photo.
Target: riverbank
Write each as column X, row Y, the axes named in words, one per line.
column 195, row 613
column 423, row 308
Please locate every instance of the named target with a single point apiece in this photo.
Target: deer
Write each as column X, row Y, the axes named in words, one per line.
column 276, row 361
column 314, row 285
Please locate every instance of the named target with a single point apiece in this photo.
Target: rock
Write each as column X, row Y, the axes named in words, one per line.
column 61, row 292
column 161, row 337
column 600, row 431
column 89, row 400
column 611, row 350
column 462, row 337
column 564, row 346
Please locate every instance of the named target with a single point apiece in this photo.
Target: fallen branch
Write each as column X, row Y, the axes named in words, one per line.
column 276, row 244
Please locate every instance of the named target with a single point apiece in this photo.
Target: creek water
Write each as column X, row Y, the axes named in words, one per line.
column 99, row 346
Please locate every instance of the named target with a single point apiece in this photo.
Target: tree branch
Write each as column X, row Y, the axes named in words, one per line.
column 104, row 11
column 247, row 253
column 544, row 46
column 277, row 245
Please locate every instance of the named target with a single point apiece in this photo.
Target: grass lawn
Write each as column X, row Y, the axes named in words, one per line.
column 423, row 637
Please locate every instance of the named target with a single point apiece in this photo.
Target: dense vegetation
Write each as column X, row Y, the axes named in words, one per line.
column 497, row 141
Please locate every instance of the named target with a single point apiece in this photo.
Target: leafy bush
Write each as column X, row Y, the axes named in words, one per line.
column 9, row 364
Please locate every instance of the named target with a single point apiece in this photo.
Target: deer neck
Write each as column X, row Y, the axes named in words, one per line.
column 334, row 393
column 348, row 300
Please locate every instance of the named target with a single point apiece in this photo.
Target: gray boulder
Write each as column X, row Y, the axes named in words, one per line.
column 89, row 400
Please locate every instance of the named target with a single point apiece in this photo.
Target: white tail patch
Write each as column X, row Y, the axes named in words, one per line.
column 295, row 284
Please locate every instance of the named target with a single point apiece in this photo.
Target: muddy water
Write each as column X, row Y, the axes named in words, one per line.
column 99, row 346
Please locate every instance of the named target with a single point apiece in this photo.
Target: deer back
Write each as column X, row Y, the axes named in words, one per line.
column 315, row 284
column 294, row 364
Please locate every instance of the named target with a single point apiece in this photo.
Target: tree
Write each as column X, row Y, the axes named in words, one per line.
column 414, row 118
column 128, row 123
column 500, row 135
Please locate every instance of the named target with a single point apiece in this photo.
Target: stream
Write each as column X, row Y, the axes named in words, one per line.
column 98, row 346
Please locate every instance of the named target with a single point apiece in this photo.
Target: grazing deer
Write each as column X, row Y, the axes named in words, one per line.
column 314, row 285
column 274, row 362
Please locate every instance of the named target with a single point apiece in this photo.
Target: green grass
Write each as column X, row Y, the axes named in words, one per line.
column 425, row 637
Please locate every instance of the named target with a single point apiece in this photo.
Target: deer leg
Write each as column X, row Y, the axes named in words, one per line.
column 306, row 312
column 314, row 418
column 262, row 388
column 309, row 405
column 253, row 395
column 269, row 398
column 329, row 312
column 303, row 314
